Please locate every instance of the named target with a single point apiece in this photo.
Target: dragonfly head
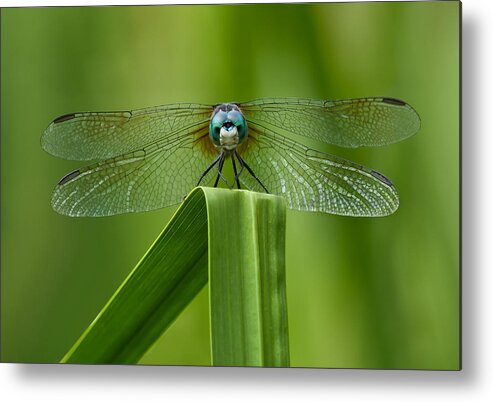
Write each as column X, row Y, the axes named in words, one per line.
column 228, row 126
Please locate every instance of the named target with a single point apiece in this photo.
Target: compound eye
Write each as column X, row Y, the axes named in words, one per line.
column 236, row 117
column 216, row 132
column 215, row 126
column 242, row 131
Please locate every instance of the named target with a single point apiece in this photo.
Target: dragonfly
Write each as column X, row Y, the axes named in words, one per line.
column 150, row 158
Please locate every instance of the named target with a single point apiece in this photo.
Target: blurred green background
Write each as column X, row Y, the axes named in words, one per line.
column 368, row 293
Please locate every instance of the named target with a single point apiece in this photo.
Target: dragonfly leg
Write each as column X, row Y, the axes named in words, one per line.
column 237, row 175
column 209, row 168
column 245, row 165
column 219, row 170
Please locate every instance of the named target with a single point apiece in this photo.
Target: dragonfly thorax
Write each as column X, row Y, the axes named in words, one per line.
column 228, row 127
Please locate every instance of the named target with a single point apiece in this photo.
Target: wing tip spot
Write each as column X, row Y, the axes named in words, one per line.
column 68, row 177
column 381, row 177
column 394, row 101
column 65, row 117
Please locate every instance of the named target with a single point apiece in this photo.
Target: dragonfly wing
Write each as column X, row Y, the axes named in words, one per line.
column 346, row 123
column 156, row 176
column 101, row 135
column 314, row 181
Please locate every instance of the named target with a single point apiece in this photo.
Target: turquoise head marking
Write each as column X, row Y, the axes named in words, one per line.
column 228, row 126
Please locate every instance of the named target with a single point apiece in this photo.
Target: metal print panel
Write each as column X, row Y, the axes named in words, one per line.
column 267, row 185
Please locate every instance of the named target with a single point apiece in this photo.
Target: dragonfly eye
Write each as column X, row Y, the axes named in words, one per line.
column 237, row 118
column 215, row 133
column 217, row 122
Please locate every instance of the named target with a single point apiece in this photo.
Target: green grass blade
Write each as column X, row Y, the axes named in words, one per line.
column 163, row 283
column 247, row 288
column 235, row 237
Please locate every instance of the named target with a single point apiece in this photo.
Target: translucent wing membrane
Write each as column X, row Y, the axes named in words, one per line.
column 151, row 158
column 314, row 181
column 155, row 176
column 89, row 136
column 347, row 123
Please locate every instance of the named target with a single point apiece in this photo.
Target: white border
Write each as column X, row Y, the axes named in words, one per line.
column 474, row 383
column 49, row 3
